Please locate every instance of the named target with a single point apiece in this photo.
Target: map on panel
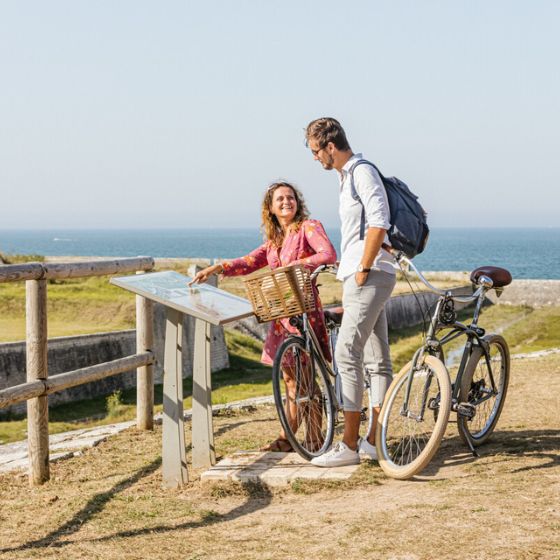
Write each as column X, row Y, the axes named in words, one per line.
column 200, row 300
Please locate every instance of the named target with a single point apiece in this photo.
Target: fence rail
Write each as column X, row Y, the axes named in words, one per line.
column 47, row 271
column 61, row 381
column 38, row 386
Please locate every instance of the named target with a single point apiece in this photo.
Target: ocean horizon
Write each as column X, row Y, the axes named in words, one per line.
column 525, row 252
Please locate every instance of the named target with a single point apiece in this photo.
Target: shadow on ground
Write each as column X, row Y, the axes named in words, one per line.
column 539, row 444
column 258, row 497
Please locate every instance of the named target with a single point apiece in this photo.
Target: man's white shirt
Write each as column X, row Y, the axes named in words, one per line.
column 373, row 195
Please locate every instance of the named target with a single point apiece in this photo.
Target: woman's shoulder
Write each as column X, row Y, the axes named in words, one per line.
column 310, row 223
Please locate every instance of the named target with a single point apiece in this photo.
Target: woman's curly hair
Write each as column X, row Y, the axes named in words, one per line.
column 271, row 228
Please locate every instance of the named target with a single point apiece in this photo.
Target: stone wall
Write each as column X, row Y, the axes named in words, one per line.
column 534, row 293
column 70, row 353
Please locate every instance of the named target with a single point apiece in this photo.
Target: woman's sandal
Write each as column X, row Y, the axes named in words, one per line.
column 279, row 445
column 313, row 445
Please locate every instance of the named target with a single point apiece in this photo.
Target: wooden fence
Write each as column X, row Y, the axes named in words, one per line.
column 38, row 386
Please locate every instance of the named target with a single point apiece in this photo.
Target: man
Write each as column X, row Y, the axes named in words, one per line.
column 368, row 274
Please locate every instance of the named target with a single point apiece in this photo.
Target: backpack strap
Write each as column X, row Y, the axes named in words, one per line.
column 355, row 194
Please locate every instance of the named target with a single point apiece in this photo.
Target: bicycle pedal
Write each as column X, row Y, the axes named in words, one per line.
column 433, row 403
column 466, row 410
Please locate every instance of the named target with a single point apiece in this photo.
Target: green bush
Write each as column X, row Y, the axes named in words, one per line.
column 115, row 404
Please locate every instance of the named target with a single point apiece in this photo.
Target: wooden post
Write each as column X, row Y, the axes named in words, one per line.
column 203, row 452
column 145, row 374
column 37, row 408
column 174, row 460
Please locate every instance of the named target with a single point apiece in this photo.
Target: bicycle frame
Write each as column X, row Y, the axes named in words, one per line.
column 433, row 344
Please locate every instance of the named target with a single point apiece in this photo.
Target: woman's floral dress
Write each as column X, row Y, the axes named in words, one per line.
column 310, row 246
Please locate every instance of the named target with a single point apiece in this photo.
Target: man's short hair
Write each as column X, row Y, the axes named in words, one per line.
column 325, row 130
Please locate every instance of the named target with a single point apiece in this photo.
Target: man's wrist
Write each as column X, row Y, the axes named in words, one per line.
column 362, row 268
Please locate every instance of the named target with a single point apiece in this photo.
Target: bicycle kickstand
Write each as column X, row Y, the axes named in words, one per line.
column 471, row 446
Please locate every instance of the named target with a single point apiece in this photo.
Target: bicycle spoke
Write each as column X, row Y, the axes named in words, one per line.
column 408, row 435
column 483, row 388
column 306, row 411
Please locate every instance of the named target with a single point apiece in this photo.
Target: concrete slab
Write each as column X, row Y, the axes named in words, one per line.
column 13, row 456
column 272, row 469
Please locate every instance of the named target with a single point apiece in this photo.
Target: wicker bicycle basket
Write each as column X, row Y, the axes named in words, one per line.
column 283, row 292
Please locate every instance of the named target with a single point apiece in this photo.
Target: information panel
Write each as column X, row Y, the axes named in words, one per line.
column 200, row 300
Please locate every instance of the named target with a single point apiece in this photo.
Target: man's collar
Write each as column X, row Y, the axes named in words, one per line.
column 346, row 167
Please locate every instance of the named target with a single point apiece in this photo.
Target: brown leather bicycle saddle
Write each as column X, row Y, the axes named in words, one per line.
column 334, row 314
column 499, row 276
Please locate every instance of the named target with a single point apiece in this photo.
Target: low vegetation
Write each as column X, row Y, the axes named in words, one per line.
column 93, row 305
column 526, row 330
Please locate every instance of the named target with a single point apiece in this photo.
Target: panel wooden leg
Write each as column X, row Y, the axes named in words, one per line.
column 174, row 467
column 203, row 453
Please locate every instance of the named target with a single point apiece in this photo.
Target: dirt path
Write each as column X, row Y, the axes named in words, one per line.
column 109, row 502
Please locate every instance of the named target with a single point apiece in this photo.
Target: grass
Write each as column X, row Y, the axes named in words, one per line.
column 6, row 258
column 525, row 329
column 80, row 306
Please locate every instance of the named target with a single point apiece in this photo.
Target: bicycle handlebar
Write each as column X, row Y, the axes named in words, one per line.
column 331, row 268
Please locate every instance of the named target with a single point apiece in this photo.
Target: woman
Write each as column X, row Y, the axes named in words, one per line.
column 291, row 238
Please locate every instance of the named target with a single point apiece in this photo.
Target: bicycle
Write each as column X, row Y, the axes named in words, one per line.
column 421, row 397
column 310, row 416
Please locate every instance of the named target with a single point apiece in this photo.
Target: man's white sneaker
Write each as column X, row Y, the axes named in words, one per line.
column 367, row 450
column 338, row 456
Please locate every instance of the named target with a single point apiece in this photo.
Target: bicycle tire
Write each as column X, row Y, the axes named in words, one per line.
column 475, row 382
column 311, row 431
column 403, row 456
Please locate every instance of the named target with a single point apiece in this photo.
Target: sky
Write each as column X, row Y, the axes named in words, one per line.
column 130, row 113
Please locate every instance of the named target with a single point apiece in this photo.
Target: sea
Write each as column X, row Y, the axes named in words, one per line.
column 526, row 252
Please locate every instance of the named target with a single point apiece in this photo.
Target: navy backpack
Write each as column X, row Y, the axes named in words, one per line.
column 409, row 228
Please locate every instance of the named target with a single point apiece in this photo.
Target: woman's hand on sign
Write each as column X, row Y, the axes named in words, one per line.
column 203, row 275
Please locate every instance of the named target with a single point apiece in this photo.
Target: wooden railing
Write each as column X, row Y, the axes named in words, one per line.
column 39, row 385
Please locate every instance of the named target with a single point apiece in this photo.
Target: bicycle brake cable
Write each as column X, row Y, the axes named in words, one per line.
column 423, row 312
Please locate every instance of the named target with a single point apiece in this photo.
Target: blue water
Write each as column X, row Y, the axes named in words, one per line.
column 527, row 253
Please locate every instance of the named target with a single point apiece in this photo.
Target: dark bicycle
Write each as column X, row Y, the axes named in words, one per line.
column 421, row 397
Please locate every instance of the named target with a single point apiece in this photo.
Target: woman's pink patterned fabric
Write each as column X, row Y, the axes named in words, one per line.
column 309, row 246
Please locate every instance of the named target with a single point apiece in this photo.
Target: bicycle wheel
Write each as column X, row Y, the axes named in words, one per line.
column 476, row 389
column 304, row 399
column 407, row 442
